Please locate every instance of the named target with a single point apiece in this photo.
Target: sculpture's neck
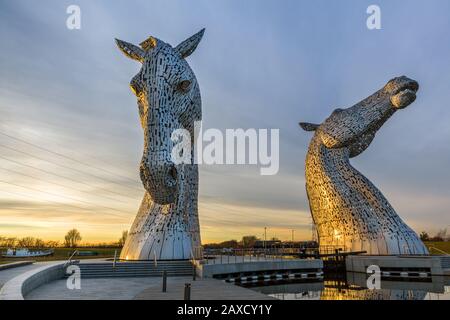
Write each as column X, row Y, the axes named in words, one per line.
column 329, row 172
column 168, row 231
column 331, row 178
column 325, row 160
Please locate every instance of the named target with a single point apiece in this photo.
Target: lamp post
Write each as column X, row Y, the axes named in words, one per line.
column 265, row 239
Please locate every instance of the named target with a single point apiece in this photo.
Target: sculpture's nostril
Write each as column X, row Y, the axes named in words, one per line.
column 173, row 172
column 415, row 85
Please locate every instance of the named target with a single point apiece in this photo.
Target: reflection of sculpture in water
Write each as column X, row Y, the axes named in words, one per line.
column 348, row 210
column 166, row 226
column 351, row 289
column 332, row 292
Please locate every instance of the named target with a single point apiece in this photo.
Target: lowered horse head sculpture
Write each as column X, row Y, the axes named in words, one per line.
column 168, row 97
column 348, row 210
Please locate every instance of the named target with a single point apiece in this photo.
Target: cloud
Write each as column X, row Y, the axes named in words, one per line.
column 67, row 91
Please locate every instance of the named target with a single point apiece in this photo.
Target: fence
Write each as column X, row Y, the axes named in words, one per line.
column 221, row 256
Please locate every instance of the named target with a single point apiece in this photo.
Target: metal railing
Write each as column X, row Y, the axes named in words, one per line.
column 197, row 253
column 70, row 258
column 115, row 259
column 223, row 256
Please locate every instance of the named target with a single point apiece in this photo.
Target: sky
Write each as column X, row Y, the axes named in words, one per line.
column 71, row 142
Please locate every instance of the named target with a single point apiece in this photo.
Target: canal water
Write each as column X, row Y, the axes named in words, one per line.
column 354, row 287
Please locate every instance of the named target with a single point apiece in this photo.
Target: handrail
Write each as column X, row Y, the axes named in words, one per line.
column 115, row 258
column 442, row 251
column 220, row 256
column 70, row 258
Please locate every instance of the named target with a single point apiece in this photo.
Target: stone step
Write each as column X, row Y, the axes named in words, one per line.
column 138, row 269
column 136, row 275
column 135, row 269
column 131, row 274
column 133, row 265
column 137, row 272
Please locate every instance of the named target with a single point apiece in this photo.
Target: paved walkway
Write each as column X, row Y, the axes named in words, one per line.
column 8, row 274
column 203, row 289
column 142, row 288
column 92, row 289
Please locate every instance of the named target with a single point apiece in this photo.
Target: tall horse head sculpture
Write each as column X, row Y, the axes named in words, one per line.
column 348, row 210
column 168, row 97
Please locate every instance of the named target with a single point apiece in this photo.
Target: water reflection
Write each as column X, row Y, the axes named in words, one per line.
column 353, row 287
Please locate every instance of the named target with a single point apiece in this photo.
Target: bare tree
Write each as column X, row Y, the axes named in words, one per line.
column 123, row 238
column 424, row 236
column 51, row 244
column 440, row 236
column 26, row 242
column 9, row 242
column 72, row 238
column 39, row 243
column 249, row 241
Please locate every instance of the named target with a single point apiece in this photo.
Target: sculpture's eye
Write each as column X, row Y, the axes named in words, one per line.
column 135, row 86
column 184, row 86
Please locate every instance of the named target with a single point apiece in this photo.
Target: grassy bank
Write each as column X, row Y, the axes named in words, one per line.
column 441, row 245
column 64, row 253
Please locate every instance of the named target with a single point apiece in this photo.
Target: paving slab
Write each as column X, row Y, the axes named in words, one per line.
column 92, row 289
column 143, row 288
column 202, row 289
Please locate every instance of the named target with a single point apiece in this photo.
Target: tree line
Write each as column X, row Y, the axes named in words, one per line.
column 441, row 235
column 72, row 239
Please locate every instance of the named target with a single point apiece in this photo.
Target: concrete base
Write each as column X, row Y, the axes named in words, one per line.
column 258, row 267
column 432, row 265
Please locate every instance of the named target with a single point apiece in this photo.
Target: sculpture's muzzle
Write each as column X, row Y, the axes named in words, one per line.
column 402, row 91
column 160, row 179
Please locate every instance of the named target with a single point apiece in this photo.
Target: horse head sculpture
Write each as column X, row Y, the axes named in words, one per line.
column 168, row 97
column 348, row 210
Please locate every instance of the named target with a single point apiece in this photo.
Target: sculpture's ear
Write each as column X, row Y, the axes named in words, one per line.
column 130, row 50
column 187, row 47
column 308, row 126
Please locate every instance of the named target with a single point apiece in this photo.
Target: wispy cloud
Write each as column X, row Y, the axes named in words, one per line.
column 67, row 91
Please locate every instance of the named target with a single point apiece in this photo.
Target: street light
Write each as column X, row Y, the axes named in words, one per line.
column 265, row 239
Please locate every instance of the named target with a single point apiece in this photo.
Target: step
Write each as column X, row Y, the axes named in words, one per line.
column 134, row 267
column 131, row 274
column 137, row 269
column 112, row 275
column 134, row 263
